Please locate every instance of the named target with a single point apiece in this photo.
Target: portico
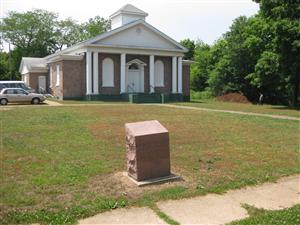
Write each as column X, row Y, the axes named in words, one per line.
column 132, row 74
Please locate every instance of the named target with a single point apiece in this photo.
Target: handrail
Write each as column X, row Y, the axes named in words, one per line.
column 129, row 87
column 152, row 88
column 42, row 90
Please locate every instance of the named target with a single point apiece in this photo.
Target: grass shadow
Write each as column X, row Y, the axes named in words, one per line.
column 280, row 107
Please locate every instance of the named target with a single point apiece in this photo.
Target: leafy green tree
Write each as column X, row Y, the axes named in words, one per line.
column 231, row 60
column 266, row 77
column 31, row 34
column 68, row 32
column 39, row 33
column 201, row 68
column 283, row 17
column 95, row 26
column 33, row 31
column 4, row 66
column 7, row 65
column 190, row 45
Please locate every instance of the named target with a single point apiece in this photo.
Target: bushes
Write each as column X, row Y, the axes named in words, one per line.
column 207, row 94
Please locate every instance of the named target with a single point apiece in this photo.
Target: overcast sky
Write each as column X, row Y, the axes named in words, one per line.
column 195, row 19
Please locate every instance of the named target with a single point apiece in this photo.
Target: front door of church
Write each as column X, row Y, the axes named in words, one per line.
column 134, row 81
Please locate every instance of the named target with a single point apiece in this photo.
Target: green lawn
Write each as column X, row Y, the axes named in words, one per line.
column 67, row 102
column 290, row 216
column 59, row 164
column 267, row 109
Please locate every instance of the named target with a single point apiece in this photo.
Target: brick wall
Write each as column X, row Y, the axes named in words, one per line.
column 33, row 80
column 186, row 80
column 74, row 78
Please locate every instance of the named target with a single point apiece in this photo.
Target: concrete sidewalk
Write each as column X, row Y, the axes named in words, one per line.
column 211, row 208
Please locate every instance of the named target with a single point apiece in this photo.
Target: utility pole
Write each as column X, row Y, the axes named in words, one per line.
column 9, row 62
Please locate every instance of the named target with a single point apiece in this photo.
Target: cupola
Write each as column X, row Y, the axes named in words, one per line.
column 125, row 15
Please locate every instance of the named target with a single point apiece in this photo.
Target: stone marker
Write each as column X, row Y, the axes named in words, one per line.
column 148, row 152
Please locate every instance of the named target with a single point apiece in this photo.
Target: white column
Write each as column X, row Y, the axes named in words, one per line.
column 51, row 76
column 95, row 73
column 143, row 78
column 151, row 73
column 123, row 73
column 174, row 74
column 88, row 73
column 179, row 74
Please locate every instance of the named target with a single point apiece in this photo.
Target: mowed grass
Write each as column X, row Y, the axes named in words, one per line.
column 59, row 164
column 265, row 109
column 68, row 102
column 290, row 216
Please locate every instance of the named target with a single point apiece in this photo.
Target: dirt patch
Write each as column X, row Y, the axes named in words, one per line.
column 233, row 97
column 118, row 184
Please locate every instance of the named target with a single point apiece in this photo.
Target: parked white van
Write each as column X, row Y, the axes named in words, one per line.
column 15, row 84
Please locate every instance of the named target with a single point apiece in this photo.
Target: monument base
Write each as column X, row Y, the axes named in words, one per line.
column 171, row 177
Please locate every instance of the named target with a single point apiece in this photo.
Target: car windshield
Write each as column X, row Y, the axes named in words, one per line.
column 23, row 86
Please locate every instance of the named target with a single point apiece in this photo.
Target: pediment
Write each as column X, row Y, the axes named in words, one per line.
column 139, row 35
column 136, row 61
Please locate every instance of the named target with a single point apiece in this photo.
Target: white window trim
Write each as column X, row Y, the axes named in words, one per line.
column 25, row 79
column 111, row 76
column 57, row 75
column 162, row 82
column 51, row 76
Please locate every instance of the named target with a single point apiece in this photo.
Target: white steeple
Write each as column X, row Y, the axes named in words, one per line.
column 126, row 14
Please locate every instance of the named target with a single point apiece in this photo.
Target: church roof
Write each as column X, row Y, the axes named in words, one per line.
column 129, row 9
column 123, row 33
column 33, row 64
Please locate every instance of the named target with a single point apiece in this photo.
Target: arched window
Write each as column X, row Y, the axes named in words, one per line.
column 159, row 74
column 107, row 73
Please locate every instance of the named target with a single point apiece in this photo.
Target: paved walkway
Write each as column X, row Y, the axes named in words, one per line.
column 233, row 112
column 141, row 215
column 52, row 103
column 211, row 208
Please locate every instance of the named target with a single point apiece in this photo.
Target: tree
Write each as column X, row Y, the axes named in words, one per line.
column 266, row 76
column 245, row 44
column 39, row 33
column 4, row 66
column 95, row 26
column 232, row 59
column 201, row 68
column 190, row 45
column 68, row 33
column 33, row 31
column 283, row 17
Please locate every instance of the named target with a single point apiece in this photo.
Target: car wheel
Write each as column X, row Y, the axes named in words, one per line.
column 3, row 101
column 35, row 101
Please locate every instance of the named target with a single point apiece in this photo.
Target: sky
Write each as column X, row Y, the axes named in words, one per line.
column 206, row 20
